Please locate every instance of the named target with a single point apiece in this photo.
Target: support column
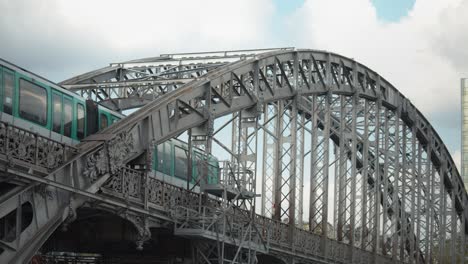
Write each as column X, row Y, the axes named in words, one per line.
column 300, row 171
column 278, row 164
column 291, row 194
column 318, row 215
column 377, row 180
column 270, row 141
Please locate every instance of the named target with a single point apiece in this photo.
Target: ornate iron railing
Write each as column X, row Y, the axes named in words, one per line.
column 32, row 148
column 186, row 208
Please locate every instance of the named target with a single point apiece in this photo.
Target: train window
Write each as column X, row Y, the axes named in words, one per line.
column 164, row 158
column 67, row 117
column 80, row 117
column 8, row 83
column 57, row 113
column 213, row 170
column 167, row 158
column 180, row 166
column 104, row 121
column 197, row 162
column 159, row 164
column 33, row 102
column 114, row 119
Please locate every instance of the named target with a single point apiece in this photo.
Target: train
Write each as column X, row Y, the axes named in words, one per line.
column 34, row 103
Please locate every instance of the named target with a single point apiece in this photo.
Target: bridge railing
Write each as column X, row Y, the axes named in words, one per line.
column 134, row 186
column 31, row 148
column 306, row 243
column 191, row 211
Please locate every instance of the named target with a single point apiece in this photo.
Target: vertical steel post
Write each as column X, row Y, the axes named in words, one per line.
column 443, row 206
column 413, row 176
column 314, row 181
column 417, row 218
column 385, row 179
column 300, row 172
column 377, row 172
column 292, row 171
column 404, row 166
column 365, row 176
column 277, row 163
column 395, row 229
column 354, row 174
column 341, row 181
column 270, row 142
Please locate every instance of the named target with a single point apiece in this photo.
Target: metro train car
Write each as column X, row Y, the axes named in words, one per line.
column 170, row 158
column 36, row 104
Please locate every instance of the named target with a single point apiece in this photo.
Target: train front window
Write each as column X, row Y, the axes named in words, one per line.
column 180, row 166
column 9, row 83
column 114, row 119
column 80, row 117
column 33, row 102
column 104, row 121
column 57, row 113
column 67, row 117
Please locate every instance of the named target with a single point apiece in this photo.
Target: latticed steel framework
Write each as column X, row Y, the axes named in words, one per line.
column 347, row 169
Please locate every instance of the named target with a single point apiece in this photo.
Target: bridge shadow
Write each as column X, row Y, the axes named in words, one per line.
column 104, row 237
column 266, row 259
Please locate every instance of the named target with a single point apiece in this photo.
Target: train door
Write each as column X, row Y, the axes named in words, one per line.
column 68, row 126
column 213, row 170
column 196, row 166
column 80, row 120
column 180, row 162
column 57, row 113
column 164, row 158
column 7, row 94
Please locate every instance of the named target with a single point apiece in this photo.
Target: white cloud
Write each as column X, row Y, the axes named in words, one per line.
column 170, row 24
column 456, row 156
column 64, row 38
column 451, row 40
column 404, row 52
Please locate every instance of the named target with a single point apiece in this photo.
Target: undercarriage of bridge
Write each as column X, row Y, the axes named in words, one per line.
column 325, row 162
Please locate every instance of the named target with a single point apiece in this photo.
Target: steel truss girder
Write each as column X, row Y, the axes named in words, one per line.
column 291, row 76
column 135, row 83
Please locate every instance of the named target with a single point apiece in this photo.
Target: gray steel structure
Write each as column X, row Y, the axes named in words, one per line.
column 312, row 129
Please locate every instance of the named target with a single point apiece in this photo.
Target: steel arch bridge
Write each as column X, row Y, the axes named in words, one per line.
column 347, row 169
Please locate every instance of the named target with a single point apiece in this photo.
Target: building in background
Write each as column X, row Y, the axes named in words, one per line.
column 464, row 139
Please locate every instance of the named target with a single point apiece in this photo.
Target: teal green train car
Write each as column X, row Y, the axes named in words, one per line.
column 37, row 104
column 34, row 103
column 171, row 158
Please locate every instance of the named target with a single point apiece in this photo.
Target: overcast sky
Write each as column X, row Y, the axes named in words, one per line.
column 419, row 46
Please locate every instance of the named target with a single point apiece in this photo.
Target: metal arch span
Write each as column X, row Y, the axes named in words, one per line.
column 315, row 78
column 354, row 80
column 398, row 195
